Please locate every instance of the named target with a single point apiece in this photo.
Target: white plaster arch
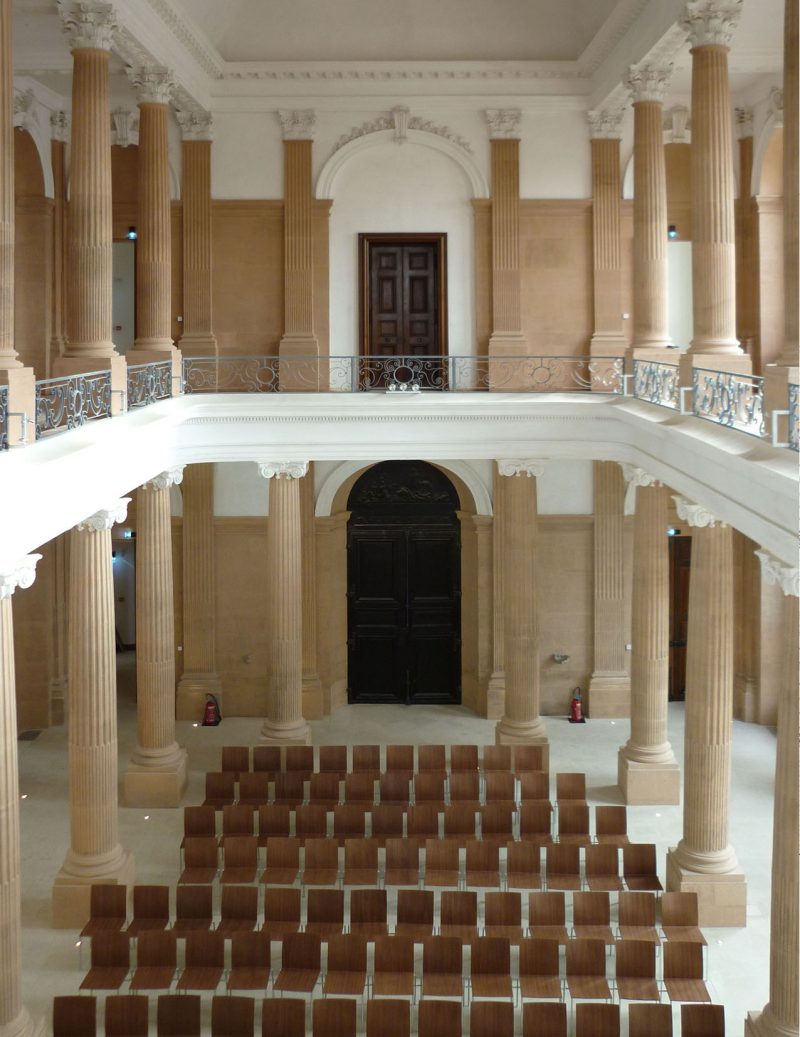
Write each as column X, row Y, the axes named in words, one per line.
column 774, row 121
column 340, row 475
column 326, row 181
column 42, row 142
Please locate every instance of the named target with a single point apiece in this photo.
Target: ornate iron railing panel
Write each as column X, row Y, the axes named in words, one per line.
column 794, row 417
column 656, row 383
column 403, row 374
column 733, row 400
column 3, row 417
column 148, row 383
column 69, row 402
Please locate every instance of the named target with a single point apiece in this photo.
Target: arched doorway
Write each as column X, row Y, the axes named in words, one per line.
column 403, row 586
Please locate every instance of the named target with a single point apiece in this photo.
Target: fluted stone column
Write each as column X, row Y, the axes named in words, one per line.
column 496, row 688
column 14, row 1018
column 95, row 854
column 647, row 770
column 199, row 677
column 157, row 773
column 610, row 685
column 58, row 675
column 284, row 723
column 704, row 861
column 8, row 355
column 521, row 721
column 312, row 686
column 781, row 1015
column 480, row 526
column 198, row 328
column 59, row 135
column 154, row 227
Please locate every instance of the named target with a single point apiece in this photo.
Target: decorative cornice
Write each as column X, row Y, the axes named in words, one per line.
column 163, row 481
column 711, row 22
column 380, row 71
column 90, row 24
column 401, row 121
column 153, row 85
column 124, row 127
column 503, row 123
column 695, row 514
column 282, row 469
column 196, row 124
column 518, row 466
column 60, row 126
column 21, row 575
column 648, row 82
column 297, row 123
column 202, row 51
column 776, row 573
column 605, row 123
column 676, row 125
column 108, row 517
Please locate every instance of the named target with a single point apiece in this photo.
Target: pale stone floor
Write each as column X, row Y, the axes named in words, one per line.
column 739, row 958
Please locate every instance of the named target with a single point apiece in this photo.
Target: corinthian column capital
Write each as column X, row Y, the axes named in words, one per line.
column 297, row 123
column 282, row 469
column 778, row 574
column 648, row 82
column 517, row 466
column 695, row 514
column 195, row 124
column 711, row 22
column 60, row 126
column 106, row 518
column 503, row 123
column 163, row 481
column 153, row 85
column 21, row 574
column 605, row 123
column 89, row 24
column 636, row 476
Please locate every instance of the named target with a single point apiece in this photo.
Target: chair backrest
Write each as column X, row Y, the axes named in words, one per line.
column 636, row 959
column 299, row 759
column 563, row 859
column 464, row 786
column 205, row 950
column 500, row 785
column 538, row 957
column 441, row 853
column 388, row 1017
column 367, row 905
column 394, row 954
column 194, row 902
column 178, row 1015
column 497, row 819
column 679, row 909
column 359, row 787
column 241, row 851
column 637, row 909
column 301, row 951
column 400, row 758
column 573, row 818
column 610, row 820
column 429, row 787
column 282, row 904
column 415, row 906
column 333, row 759
column 360, row 853
column 111, row 949
column 334, row 1017
column 502, row 908
column 274, row 819
column 400, row 853
column 601, row 859
column 586, row 957
column 237, row 819
column 431, row 758
column 591, row 909
column 459, row 907
column 523, row 857
column 157, row 948
column 283, row 851
column 324, row 788
column 290, row 787
column 108, row 901
column 325, row 905
column 497, row 758
column 239, row 902
column 267, row 758
column 283, row 1017
column 459, row 819
column 199, row 821
column 482, row 856
column 366, row 758
column 349, row 820
column 422, row 821
column 545, row 1019
column 442, row 954
column 235, row 758
column 127, row 1015
column 491, row 955
column 387, row 820
column 311, row 820
column 570, row 785
column 491, row 1019
column 639, row 859
column 596, row 1020
column 439, row 1019
column 702, row 1021
column 529, row 758
column 547, row 908
column 221, row 785
column 253, row 788
column 535, row 817
column 151, row 902
column 201, row 851
column 534, row 785
column 250, row 950
column 74, row 1015
column 463, row 758
column 322, row 853
column 232, row 1016
column 649, row 1020
column 347, row 953
column 395, row 787
column 682, row 960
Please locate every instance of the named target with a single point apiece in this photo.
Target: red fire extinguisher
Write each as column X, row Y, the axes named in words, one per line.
column 575, row 708
column 212, row 715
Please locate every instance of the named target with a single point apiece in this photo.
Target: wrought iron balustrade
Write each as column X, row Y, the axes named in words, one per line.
column 733, row 400
column 656, row 383
column 3, row 417
column 148, row 383
column 794, row 417
column 71, row 401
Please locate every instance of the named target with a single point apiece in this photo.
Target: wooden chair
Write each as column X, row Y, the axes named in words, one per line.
column 178, row 1015
column 401, row 863
column 442, row 969
column 534, row 785
column 490, row 969
column 238, row 909
column 359, row 788
column 335, row 1018
column 333, row 760
column 325, row 912
column 240, row 860
column 702, row 1021
column 679, row 918
column 639, row 867
column 497, row 758
column 323, row 789
column 360, row 862
column 250, row 961
column 547, row 914
column 497, row 823
column 463, row 758
column 346, row 972
column 458, row 914
column 300, row 963
column 465, row 788
column 299, row 759
column 220, row 789
column 570, row 786
column 611, row 825
column 414, row 914
column 400, row 759
column 422, row 823
column 459, row 822
column 253, row 789
column 110, row 962
column 368, row 913
column 538, row 969
column 529, row 758
column 198, row 822
column 126, row 1015
column 602, row 868
column 150, row 909
column 395, row 787
column 544, row 1020
column 573, row 823
column 235, row 758
column 193, row 909
column 650, row 1020
column 491, row 1019
column 591, row 917
column 387, row 822
column 636, row 971
column 563, row 864
column 74, row 1016
column 349, row 822
column 200, row 860
column 283, row 861
column 636, row 918
column 321, row 865
column 432, row 759
column 156, row 961
column 536, row 822
column 267, row 760
column 108, row 909
column 204, row 962
column 683, row 972
column 290, row 788
column 232, row 1017
column 283, row 1017
column 393, row 971
column 502, row 915
column 482, row 864
column 311, row 821
column 429, row 788
column 441, row 863
column 523, row 865
column 439, row 1019
column 586, row 970
column 388, row 1018
column 500, row 786
column 274, row 819
column 281, row 912
column 237, row 819
column 367, row 760
column 597, row 1021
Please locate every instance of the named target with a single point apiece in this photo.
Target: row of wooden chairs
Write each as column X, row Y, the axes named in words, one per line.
column 403, row 864
column 365, row 913
column 538, row 973
column 180, row 1016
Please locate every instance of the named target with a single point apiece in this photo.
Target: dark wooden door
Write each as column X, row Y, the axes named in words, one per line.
column 404, row 587
column 403, row 300
column 680, row 557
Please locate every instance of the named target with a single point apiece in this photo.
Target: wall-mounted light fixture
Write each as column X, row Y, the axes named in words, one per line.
column 672, row 232
column 131, row 235
column 559, row 657
column 673, row 532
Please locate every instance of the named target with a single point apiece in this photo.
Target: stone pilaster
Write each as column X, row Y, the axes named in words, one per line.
column 58, row 674
column 506, row 338
column 704, row 861
column 312, row 687
column 610, row 686
column 781, row 1015
column 95, row 854
column 496, row 688
column 8, row 355
column 646, row 767
column 482, row 526
column 521, row 721
column 59, row 134
column 14, row 1018
column 198, row 328
column 157, row 773
column 284, row 723
column 747, row 258
column 199, row 677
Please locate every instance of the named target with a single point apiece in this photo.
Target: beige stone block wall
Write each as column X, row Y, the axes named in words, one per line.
column 332, row 609
column 177, row 592
column 33, row 260
column 33, row 645
column 679, row 192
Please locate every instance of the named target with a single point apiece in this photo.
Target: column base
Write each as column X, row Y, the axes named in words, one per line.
column 648, row 783
column 295, row 733
column 156, row 784
column 609, row 696
column 721, row 896
column 24, row 1026
column 190, row 698
column 73, row 884
column 313, row 704
column 727, row 363
column 496, row 695
column 198, row 343
column 761, row 1024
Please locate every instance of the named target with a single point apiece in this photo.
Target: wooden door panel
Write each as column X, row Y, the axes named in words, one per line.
column 434, row 667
